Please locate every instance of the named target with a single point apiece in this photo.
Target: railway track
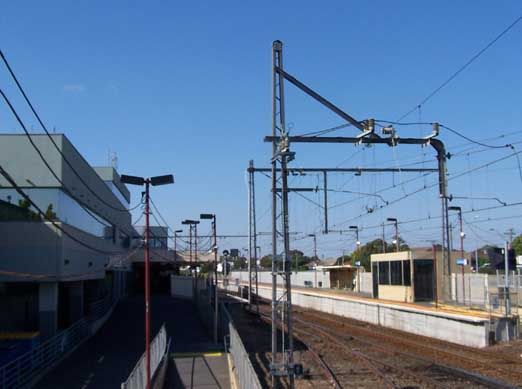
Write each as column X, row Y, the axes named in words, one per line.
column 349, row 355
column 480, row 362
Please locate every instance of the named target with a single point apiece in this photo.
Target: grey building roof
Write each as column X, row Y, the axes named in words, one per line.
column 108, row 173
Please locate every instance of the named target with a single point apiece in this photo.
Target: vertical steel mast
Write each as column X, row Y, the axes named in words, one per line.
column 282, row 364
column 252, row 236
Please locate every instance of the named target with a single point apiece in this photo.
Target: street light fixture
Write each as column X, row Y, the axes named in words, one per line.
column 459, row 212
column 396, row 240
column 176, row 243
column 357, row 241
column 192, row 225
column 154, row 181
column 212, row 216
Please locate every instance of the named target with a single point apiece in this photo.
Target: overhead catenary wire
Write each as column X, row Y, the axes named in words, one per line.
column 48, row 166
column 42, row 214
column 461, row 69
column 431, row 186
column 33, row 110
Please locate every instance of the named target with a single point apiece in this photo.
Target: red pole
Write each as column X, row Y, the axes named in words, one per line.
column 147, row 284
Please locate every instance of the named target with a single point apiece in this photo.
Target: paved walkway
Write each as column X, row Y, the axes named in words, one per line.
column 196, row 360
column 106, row 359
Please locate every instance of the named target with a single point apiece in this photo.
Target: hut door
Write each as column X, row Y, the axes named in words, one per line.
column 375, row 279
column 423, row 279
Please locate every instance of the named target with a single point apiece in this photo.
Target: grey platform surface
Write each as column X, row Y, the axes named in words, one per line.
column 196, row 361
column 106, row 359
column 199, row 371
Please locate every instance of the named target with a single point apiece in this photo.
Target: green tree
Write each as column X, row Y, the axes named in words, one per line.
column 49, row 213
column 266, row 262
column 363, row 253
column 517, row 245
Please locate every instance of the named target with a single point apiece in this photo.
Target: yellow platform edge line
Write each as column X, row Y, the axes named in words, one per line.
column 189, row 355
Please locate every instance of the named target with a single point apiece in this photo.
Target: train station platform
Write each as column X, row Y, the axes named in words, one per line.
column 469, row 328
column 106, row 359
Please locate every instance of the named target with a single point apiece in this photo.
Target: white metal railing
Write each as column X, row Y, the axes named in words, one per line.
column 246, row 373
column 22, row 371
column 138, row 377
column 25, row 369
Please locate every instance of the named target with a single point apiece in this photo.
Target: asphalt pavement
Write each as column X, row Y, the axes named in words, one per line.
column 106, row 359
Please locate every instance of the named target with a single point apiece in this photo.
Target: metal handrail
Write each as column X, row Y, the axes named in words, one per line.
column 158, row 348
column 244, row 369
column 23, row 370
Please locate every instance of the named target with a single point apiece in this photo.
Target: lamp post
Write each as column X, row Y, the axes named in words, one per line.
column 394, row 221
column 192, row 225
column 154, row 181
column 315, row 244
column 212, row 216
column 357, row 241
column 176, row 243
column 462, row 235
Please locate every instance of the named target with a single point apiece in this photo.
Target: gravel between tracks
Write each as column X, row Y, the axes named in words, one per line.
column 361, row 355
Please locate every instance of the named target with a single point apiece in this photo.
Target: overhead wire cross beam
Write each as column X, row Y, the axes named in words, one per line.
column 359, row 170
column 281, row 154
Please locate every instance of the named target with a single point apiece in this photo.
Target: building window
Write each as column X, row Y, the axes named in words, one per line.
column 406, row 273
column 384, row 273
column 396, row 272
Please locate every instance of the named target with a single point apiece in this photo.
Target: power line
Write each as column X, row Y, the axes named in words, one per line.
column 11, row 181
column 430, row 186
column 474, row 141
column 327, row 130
column 22, row 91
column 398, row 123
column 46, row 163
column 461, row 69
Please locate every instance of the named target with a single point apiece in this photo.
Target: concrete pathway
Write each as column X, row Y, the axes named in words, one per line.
column 196, row 361
column 106, row 359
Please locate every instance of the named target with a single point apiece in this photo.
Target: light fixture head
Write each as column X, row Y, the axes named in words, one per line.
column 162, row 180
column 132, row 180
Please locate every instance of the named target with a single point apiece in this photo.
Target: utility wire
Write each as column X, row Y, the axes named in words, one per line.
column 46, row 163
column 430, row 186
column 26, row 98
column 12, row 182
column 461, row 69
column 325, row 131
column 398, row 123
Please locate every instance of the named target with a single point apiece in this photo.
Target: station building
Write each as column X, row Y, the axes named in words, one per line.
column 52, row 272
column 415, row 275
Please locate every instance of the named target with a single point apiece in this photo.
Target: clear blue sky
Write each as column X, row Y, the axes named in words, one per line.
column 184, row 88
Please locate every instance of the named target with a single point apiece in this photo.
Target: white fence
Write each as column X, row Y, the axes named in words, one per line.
column 26, row 369
column 485, row 291
column 244, row 370
column 308, row 278
column 138, row 377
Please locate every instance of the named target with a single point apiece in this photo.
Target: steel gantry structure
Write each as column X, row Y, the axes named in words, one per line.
column 282, row 363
